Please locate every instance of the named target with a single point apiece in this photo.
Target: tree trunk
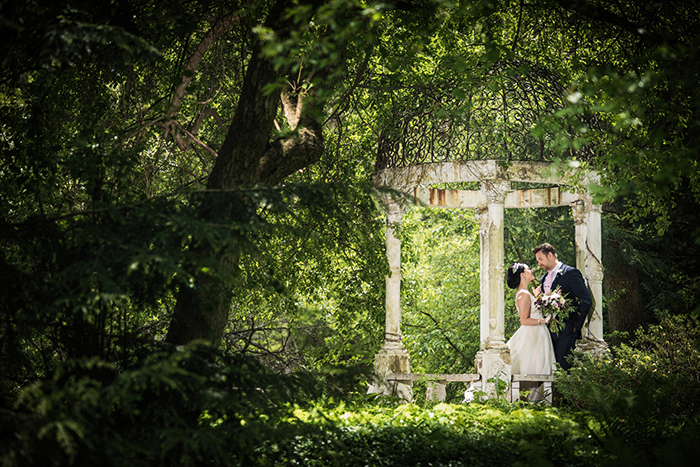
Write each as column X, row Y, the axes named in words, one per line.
column 622, row 290
column 247, row 156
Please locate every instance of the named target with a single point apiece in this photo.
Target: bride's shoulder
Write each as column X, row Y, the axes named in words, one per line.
column 521, row 292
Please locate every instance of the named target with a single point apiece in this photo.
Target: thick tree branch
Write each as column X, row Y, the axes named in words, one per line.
column 221, row 27
column 292, row 110
column 286, row 156
column 247, row 156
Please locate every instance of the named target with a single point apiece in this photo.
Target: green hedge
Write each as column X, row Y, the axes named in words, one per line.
column 189, row 407
column 643, row 395
column 443, row 435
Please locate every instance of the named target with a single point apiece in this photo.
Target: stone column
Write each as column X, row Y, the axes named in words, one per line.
column 594, row 269
column 495, row 358
column 580, row 215
column 392, row 357
column 578, row 210
column 588, row 261
column 482, row 215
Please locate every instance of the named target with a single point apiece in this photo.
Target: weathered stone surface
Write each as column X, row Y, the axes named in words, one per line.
column 476, row 171
column 389, row 360
column 496, row 367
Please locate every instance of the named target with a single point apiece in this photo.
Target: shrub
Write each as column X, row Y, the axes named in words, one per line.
column 191, row 408
column 644, row 395
column 442, row 435
column 662, row 362
column 181, row 407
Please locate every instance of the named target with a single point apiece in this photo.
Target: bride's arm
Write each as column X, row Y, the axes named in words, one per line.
column 522, row 302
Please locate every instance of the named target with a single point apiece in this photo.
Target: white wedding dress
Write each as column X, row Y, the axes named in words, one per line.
column 531, row 350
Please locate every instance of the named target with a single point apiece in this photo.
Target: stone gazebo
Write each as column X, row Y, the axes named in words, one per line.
column 392, row 365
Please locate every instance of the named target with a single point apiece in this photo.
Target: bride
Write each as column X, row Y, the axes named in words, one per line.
column 531, row 349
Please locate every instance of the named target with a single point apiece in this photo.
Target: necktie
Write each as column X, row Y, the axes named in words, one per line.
column 548, row 281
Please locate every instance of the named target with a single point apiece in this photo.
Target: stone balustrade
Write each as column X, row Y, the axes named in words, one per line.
column 437, row 383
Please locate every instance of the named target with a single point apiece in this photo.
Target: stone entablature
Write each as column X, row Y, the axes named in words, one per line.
column 478, row 171
column 495, row 195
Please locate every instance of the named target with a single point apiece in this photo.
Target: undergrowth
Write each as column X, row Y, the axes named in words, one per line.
column 192, row 407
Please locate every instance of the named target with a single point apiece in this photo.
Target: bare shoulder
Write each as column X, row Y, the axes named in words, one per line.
column 522, row 293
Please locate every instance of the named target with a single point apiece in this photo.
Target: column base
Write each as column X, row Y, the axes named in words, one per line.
column 391, row 359
column 494, row 365
column 593, row 347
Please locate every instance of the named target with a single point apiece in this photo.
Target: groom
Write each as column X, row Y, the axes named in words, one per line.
column 574, row 289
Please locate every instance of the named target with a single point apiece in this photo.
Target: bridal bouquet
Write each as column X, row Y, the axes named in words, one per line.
column 554, row 307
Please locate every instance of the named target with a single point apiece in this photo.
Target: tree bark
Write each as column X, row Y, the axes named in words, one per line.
column 621, row 286
column 170, row 125
column 247, row 156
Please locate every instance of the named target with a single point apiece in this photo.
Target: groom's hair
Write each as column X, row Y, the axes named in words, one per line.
column 545, row 248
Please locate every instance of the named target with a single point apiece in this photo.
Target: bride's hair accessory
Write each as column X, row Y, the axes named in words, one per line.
column 514, row 274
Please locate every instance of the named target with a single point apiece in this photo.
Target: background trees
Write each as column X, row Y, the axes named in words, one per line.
column 202, row 169
column 101, row 146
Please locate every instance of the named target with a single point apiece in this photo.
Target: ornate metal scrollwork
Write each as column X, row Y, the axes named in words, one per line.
column 494, row 120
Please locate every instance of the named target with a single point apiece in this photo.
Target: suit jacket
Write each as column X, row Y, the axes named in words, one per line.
column 574, row 289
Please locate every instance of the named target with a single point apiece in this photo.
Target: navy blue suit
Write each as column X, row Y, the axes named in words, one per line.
column 574, row 289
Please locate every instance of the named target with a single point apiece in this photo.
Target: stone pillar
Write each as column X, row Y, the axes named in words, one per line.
column 578, row 210
column 495, row 357
column 392, row 357
column 594, row 269
column 496, row 191
column 482, row 215
column 588, row 261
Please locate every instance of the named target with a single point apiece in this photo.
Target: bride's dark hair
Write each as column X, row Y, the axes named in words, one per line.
column 514, row 273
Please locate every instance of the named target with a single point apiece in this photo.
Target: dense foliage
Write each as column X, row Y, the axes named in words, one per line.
column 440, row 284
column 645, row 393
column 193, row 407
column 660, row 365
column 190, row 407
column 443, row 434
column 106, row 218
column 185, row 170
column 183, row 407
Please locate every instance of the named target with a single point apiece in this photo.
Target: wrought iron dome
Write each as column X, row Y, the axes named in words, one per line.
column 493, row 119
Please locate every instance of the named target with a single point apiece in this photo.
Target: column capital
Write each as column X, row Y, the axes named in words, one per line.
column 586, row 201
column 592, row 207
column 393, row 210
column 482, row 216
column 579, row 211
column 496, row 190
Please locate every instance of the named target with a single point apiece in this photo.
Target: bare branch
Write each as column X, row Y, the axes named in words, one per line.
column 196, row 140
column 442, row 331
column 221, row 27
